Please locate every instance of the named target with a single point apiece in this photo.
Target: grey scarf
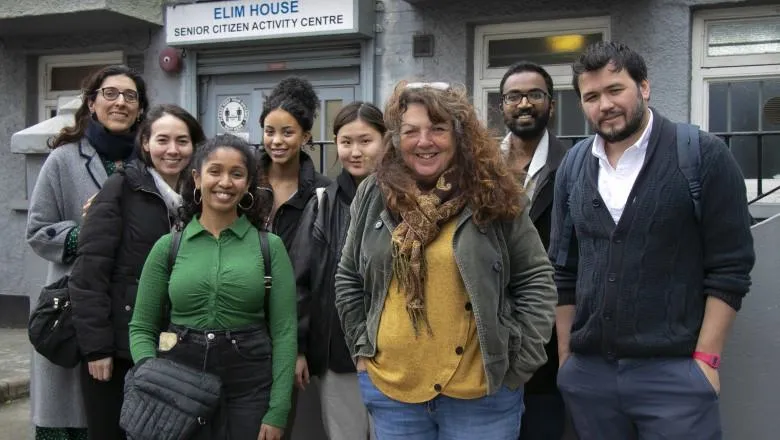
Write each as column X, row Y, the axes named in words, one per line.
column 172, row 199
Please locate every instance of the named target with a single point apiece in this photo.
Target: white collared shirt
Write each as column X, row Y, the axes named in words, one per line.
column 615, row 184
column 537, row 161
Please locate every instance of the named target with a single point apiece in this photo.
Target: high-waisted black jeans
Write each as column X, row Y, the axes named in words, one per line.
column 242, row 359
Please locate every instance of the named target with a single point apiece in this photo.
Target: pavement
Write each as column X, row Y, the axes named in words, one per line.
column 15, row 350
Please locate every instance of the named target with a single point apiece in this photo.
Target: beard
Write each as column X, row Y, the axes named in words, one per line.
column 632, row 124
column 530, row 131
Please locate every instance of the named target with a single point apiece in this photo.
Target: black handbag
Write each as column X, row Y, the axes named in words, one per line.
column 50, row 327
column 165, row 400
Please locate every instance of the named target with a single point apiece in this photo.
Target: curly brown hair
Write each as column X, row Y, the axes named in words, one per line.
column 490, row 189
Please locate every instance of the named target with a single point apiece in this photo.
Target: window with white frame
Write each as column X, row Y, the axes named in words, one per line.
column 735, row 88
column 554, row 45
column 60, row 76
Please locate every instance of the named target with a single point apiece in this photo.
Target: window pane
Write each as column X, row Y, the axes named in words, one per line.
column 744, row 150
column 571, row 120
column 552, row 49
column 744, row 105
column 771, row 157
column 771, row 106
column 494, row 116
column 70, row 78
column 744, row 38
column 718, row 122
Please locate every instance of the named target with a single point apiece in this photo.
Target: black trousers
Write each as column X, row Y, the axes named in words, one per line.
column 242, row 360
column 103, row 401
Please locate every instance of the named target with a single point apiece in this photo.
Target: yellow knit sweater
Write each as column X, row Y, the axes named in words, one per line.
column 416, row 369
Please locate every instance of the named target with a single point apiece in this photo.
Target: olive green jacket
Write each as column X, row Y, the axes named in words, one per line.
column 505, row 269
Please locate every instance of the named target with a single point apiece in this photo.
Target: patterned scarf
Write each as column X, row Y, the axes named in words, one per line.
column 419, row 226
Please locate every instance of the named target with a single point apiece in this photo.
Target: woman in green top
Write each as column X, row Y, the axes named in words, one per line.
column 218, row 321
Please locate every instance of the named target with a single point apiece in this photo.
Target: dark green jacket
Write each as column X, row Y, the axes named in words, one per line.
column 504, row 267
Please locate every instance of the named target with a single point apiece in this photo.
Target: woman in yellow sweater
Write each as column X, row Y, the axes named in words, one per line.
column 444, row 290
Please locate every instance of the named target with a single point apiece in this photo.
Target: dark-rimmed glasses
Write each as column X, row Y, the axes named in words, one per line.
column 112, row 94
column 534, row 96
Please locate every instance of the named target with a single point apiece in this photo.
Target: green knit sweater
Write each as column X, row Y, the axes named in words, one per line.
column 217, row 284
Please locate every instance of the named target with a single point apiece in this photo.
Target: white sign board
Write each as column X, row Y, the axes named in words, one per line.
column 244, row 20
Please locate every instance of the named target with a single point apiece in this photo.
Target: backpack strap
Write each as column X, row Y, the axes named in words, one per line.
column 573, row 164
column 268, row 279
column 689, row 161
column 174, row 250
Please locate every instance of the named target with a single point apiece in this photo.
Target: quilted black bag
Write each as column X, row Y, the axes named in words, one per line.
column 165, row 400
column 50, row 327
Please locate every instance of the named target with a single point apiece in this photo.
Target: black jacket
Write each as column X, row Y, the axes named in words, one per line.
column 315, row 256
column 287, row 217
column 124, row 221
column 544, row 380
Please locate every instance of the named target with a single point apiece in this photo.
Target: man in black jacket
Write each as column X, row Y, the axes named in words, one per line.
column 647, row 288
column 534, row 154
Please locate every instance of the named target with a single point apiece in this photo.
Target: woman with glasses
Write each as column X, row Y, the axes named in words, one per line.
column 444, row 290
column 83, row 156
column 136, row 207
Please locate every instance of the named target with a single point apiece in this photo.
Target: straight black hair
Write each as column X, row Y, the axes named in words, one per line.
column 603, row 53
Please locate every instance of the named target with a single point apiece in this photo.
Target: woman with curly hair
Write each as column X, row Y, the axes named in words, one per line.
column 444, row 290
column 218, row 319
column 287, row 120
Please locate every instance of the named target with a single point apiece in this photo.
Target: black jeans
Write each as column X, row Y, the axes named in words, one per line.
column 103, row 401
column 242, row 360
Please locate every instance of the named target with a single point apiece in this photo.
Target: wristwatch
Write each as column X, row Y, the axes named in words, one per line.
column 713, row 360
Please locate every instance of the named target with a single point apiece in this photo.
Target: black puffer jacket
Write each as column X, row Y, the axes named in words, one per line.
column 124, row 221
column 315, row 256
column 288, row 216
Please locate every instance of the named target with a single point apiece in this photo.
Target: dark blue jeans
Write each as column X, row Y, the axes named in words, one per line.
column 242, row 359
column 648, row 399
column 494, row 417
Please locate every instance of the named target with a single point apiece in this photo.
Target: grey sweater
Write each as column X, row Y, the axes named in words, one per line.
column 640, row 286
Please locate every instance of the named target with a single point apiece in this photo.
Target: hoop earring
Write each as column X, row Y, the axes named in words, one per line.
column 251, row 204
column 195, row 197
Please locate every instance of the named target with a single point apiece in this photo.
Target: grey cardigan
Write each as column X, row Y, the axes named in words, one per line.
column 69, row 177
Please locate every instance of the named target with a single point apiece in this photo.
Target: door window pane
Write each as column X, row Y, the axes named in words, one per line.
column 747, row 37
column 551, row 49
column 326, row 156
column 495, row 116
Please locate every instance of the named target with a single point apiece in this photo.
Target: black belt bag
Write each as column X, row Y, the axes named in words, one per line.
column 165, row 400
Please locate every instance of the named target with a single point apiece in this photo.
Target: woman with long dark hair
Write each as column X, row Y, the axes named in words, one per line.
column 83, row 156
column 136, row 207
column 218, row 319
column 358, row 129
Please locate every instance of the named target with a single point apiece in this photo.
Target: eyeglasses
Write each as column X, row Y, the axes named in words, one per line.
column 112, row 94
column 433, row 85
column 534, row 96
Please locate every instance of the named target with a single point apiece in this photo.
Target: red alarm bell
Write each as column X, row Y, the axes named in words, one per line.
column 170, row 60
